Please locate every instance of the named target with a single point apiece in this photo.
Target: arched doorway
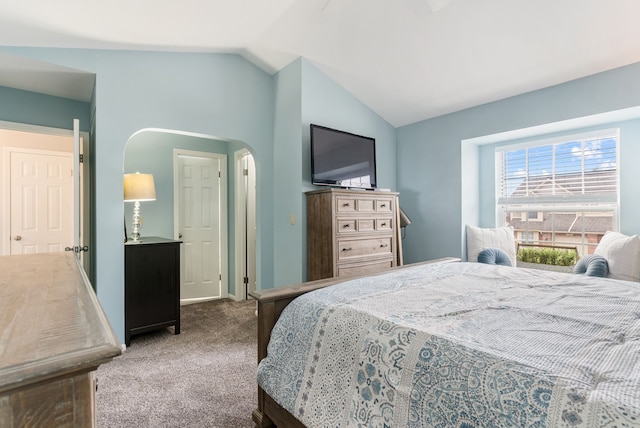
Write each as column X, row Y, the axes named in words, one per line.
column 154, row 151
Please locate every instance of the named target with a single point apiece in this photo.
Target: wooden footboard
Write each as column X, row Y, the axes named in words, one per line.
column 271, row 303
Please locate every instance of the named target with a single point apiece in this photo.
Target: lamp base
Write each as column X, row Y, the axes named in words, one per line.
column 135, row 233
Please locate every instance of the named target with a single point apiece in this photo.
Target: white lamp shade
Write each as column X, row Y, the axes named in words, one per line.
column 139, row 187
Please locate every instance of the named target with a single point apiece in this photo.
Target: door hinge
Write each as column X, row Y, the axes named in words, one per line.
column 81, row 157
column 220, row 277
column 245, row 280
column 245, row 171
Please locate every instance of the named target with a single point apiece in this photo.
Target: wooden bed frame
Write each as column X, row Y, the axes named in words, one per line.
column 271, row 303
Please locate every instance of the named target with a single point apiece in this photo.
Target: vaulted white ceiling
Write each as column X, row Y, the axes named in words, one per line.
column 408, row 60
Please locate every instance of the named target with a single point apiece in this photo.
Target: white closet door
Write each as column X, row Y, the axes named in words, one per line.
column 199, row 225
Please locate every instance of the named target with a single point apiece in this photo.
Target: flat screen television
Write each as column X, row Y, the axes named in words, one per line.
column 342, row 159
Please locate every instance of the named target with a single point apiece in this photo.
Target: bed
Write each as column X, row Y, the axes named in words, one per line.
column 450, row 344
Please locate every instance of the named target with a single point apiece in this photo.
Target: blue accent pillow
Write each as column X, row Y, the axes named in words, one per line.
column 592, row 265
column 494, row 256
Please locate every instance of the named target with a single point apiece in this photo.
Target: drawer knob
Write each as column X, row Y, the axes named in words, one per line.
column 384, row 245
column 383, row 224
column 383, row 205
column 346, row 249
column 346, row 226
column 346, row 204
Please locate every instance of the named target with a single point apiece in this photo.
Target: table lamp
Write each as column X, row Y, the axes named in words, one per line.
column 137, row 188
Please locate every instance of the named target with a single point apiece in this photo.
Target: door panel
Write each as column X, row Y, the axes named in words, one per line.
column 41, row 194
column 199, row 225
column 250, row 251
column 245, row 224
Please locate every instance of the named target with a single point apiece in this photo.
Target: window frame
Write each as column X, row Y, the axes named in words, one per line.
column 580, row 204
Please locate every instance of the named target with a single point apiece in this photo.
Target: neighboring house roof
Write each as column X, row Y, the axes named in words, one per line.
column 596, row 181
column 564, row 223
column 603, row 180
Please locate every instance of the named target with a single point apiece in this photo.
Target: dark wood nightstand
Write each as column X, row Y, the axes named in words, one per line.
column 151, row 285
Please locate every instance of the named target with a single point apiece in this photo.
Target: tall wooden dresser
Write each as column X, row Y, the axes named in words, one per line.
column 350, row 232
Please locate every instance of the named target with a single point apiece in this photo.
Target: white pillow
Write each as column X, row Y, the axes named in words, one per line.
column 479, row 238
column 623, row 255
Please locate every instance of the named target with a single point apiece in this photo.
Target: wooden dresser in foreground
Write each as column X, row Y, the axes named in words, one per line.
column 53, row 336
column 351, row 232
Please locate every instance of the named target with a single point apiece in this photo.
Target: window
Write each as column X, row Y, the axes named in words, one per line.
column 526, row 237
column 532, row 215
column 560, row 191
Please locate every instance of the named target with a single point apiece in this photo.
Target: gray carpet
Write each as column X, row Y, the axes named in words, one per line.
column 203, row 377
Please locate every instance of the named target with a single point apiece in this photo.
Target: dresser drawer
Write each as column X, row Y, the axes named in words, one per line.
column 345, row 204
column 384, row 224
column 347, row 225
column 366, row 205
column 355, row 248
column 364, row 268
column 383, row 205
column 363, row 225
column 366, row 225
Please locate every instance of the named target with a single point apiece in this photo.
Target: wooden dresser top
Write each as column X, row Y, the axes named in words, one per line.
column 51, row 323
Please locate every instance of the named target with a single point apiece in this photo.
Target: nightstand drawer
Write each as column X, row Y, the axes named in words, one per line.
column 354, row 248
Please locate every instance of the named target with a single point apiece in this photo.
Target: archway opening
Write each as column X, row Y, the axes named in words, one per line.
column 155, row 151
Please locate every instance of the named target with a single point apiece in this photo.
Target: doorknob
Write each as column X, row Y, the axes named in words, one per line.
column 77, row 249
column 17, row 238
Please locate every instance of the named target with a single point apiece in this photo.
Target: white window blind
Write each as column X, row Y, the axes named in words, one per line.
column 551, row 190
column 578, row 170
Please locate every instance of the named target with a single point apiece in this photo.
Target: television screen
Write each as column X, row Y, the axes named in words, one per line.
column 342, row 159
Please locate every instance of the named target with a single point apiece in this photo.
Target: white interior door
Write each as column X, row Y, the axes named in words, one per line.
column 76, row 188
column 41, row 201
column 251, row 224
column 245, row 224
column 84, row 209
column 201, row 204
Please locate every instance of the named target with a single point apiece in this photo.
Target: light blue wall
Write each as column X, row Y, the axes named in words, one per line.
column 219, row 95
column 326, row 103
column 288, row 250
column 305, row 95
column 43, row 110
column 440, row 157
column 227, row 98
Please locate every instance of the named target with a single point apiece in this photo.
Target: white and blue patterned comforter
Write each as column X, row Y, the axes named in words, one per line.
column 460, row 345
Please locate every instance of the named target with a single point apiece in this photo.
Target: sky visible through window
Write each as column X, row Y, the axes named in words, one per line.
column 557, row 160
